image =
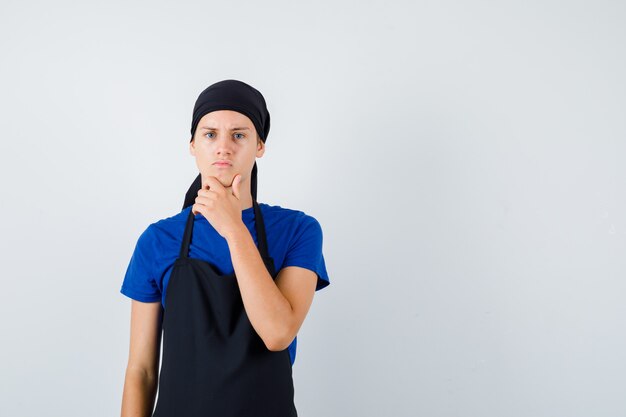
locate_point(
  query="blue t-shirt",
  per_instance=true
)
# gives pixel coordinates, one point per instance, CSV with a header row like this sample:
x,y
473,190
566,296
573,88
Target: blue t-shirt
x,y
293,239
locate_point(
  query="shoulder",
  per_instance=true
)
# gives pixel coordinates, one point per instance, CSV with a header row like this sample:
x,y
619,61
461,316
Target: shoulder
x,y
173,220
155,250
275,214
292,227
298,240
162,230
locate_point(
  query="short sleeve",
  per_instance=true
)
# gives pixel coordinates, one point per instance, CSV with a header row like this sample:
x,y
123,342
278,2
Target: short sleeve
x,y
305,250
139,282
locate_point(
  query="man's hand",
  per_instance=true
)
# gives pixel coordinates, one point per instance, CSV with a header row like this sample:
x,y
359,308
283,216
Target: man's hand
x,y
220,205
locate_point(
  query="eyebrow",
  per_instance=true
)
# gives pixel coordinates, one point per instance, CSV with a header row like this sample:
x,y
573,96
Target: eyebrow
x,y
232,128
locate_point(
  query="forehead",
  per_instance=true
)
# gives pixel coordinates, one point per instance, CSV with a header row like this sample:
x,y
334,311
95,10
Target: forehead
x,y
225,118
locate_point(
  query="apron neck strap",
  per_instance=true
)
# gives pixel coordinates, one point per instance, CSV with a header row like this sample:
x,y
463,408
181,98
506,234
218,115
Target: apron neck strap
x,y
259,223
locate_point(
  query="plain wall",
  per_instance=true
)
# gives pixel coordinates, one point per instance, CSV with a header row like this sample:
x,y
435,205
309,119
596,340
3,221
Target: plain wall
x,y
464,158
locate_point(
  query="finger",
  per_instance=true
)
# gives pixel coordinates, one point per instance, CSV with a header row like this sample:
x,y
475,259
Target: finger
x,y
201,209
208,202
206,194
201,200
215,185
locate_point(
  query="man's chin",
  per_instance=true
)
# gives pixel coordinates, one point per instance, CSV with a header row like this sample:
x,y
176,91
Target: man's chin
x,y
225,179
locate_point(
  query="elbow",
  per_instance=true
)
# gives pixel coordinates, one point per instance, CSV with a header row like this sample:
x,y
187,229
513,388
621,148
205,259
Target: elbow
x,y
279,341
276,346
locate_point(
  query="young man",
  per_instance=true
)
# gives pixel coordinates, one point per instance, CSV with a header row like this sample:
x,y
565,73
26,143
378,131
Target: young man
x,y
227,280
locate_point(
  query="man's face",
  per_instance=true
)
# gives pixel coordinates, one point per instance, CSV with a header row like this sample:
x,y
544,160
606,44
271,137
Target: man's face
x,y
226,135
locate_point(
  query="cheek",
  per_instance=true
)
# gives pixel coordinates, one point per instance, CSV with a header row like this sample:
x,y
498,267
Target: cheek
x,y
202,148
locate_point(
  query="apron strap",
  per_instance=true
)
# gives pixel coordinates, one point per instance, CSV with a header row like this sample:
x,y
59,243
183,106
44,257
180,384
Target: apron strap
x,y
262,239
184,247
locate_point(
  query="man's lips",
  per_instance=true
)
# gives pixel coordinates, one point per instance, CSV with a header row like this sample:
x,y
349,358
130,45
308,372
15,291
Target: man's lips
x,y
222,163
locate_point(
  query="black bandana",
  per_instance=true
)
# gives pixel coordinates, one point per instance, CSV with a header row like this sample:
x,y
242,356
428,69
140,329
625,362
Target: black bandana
x,y
230,95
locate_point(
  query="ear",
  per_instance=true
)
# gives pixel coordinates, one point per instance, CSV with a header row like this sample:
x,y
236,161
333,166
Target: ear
x,y
192,148
260,148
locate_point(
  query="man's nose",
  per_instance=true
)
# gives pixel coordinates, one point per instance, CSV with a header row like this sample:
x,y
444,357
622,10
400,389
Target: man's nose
x,y
224,144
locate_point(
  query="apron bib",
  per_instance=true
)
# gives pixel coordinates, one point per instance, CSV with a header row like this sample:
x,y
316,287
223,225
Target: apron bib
x,y
214,363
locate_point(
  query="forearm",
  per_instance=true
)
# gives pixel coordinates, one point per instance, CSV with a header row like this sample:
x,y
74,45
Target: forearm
x,y
268,310
139,393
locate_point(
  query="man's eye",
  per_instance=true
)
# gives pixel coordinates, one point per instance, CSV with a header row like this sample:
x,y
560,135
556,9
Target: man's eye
x,y
241,134
208,133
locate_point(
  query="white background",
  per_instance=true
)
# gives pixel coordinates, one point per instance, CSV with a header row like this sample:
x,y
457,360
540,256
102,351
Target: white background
x,y
464,158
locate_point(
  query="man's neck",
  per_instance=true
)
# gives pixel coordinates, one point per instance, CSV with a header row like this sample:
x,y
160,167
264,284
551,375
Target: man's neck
x,y
246,201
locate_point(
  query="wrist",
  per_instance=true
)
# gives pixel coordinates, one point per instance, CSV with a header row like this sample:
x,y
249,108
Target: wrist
x,y
237,233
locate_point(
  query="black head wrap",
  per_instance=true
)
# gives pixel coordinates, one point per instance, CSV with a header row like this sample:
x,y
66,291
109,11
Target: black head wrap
x,y
230,95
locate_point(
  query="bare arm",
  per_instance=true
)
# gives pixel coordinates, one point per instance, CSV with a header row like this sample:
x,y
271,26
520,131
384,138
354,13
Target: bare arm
x,y
140,384
276,309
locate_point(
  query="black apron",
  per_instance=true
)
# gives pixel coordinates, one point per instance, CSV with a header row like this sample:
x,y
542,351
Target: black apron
x,y
214,362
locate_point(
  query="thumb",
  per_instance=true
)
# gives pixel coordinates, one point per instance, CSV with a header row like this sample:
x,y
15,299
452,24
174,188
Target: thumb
x,y
236,184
